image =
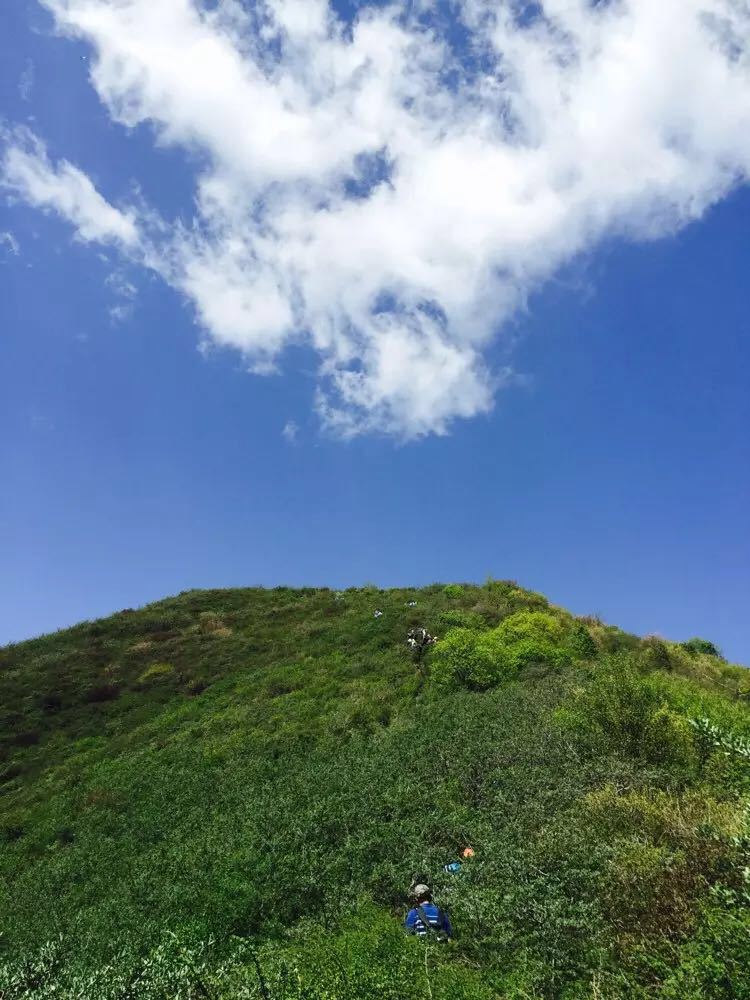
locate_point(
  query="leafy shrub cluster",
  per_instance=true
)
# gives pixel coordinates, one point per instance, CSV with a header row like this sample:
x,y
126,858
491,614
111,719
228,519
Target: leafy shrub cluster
x,y
479,659
154,673
698,647
456,618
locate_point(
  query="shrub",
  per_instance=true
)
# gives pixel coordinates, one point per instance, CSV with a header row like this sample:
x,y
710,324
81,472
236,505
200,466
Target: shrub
x,y
142,646
11,829
614,640
664,849
50,703
531,637
453,590
669,740
29,738
634,882
618,706
10,773
102,692
581,643
713,964
158,624
455,618
209,622
743,687
505,597
529,598
464,659
734,749
638,715
479,660
155,673
655,654
663,817
697,646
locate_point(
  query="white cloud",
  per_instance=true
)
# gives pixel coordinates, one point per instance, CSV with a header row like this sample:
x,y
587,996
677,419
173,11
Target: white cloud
x,y
26,82
391,201
26,171
120,312
121,286
9,241
125,293
290,432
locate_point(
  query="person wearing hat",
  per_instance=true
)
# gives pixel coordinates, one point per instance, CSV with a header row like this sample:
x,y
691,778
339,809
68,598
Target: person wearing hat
x,y
425,918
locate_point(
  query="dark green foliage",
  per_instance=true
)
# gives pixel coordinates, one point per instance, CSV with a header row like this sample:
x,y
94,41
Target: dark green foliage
x,y
655,654
460,619
226,795
581,643
102,692
614,640
51,702
634,714
713,964
701,646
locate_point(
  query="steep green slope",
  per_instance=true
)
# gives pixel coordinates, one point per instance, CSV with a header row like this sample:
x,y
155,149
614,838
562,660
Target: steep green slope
x,y
226,794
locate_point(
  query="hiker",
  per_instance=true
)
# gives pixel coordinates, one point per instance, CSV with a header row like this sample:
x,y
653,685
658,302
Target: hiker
x,y
419,639
425,918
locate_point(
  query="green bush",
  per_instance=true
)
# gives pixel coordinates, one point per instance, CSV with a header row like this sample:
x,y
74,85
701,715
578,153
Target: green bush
x,y
464,658
505,597
713,965
618,706
479,660
531,637
698,647
456,618
51,702
102,692
581,643
638,714
655,654
453,590
669,740
614,640
155,673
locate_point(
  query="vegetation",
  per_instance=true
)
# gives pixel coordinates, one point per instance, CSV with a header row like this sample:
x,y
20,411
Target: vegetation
x,y
227,794
698,646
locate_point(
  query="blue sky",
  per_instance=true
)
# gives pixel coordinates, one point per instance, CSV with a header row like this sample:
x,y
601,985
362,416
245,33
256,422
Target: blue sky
x,y
594,446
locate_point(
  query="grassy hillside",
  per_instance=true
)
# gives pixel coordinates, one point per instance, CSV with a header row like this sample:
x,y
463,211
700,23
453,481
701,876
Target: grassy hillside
x,y
227,794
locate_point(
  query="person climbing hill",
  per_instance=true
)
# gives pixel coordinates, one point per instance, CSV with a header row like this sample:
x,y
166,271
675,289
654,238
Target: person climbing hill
x,y
425,918
419,640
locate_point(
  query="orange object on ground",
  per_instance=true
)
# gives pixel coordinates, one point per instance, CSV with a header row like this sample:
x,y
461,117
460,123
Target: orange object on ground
x,y
468,852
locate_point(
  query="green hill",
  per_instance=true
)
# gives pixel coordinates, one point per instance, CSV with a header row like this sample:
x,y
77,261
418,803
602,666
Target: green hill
x,y
227,794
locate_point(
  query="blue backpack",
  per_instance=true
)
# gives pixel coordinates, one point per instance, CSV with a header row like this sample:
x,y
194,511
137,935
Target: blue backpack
x,y
435,930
